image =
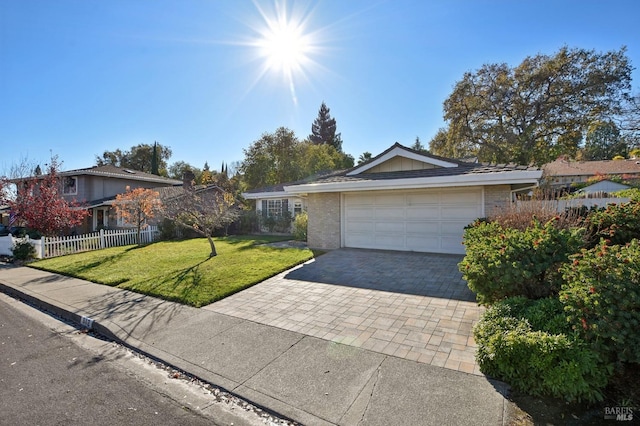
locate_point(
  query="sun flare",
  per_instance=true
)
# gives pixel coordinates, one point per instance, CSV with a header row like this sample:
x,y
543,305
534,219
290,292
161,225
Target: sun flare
x,y
285,47
284,43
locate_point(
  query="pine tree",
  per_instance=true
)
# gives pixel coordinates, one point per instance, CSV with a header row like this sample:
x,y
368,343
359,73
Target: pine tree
x,y
154,159
323,129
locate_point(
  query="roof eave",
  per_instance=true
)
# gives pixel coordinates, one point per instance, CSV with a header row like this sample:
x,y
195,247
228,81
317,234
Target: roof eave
x,y
498,178
261,195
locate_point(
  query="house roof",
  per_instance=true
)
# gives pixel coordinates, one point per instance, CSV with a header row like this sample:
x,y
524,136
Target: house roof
x,y
603,186
278,190
121,173
563,167
442,172
430,171
166,192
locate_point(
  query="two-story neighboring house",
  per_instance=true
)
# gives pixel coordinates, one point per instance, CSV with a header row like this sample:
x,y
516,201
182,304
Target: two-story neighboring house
x,y
96,188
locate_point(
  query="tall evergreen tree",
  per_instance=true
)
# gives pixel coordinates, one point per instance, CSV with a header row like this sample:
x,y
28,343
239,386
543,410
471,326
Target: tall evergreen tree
x,y
323,129
154,159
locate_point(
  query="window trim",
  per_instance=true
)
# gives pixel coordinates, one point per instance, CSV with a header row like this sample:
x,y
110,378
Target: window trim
x,y
65,186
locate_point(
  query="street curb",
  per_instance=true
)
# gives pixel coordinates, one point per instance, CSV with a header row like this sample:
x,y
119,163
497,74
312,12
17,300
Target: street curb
x,y
104,331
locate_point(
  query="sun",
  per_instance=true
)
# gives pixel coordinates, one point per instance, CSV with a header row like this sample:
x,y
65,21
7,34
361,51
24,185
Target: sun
x,y
284,43
285,47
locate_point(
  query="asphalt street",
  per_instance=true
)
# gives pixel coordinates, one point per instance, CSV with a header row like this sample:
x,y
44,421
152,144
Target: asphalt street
x,y
53,374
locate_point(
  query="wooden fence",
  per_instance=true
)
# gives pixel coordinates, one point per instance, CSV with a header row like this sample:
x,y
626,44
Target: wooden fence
x,y
58,246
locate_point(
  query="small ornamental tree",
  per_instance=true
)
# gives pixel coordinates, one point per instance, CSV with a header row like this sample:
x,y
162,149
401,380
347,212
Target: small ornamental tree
x,y
202,210
136,206
39,203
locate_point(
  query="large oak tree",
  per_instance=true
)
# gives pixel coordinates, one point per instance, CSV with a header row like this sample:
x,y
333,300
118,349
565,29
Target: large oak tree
x,y
536,111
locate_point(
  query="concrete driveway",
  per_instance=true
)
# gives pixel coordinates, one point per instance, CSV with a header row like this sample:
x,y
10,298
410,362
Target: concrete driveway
x,y
409,305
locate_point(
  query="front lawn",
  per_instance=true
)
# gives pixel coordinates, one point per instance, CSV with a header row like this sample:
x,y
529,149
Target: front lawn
x,y
181,271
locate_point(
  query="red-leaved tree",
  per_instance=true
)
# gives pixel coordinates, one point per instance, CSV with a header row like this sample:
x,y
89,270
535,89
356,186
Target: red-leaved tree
x,y
39,204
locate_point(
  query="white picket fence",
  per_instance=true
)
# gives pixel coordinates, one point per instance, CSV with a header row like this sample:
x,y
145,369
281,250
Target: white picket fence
x,y
58,246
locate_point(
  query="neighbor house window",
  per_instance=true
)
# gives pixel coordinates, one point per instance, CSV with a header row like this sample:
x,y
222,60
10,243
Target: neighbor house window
x,y
70,185
274,208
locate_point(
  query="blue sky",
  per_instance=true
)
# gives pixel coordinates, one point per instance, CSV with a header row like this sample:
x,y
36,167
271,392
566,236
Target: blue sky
x,y
78,77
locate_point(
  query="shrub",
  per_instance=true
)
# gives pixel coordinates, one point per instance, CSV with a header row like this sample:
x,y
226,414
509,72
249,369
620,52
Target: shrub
x,y
502,262
300,226
23,250
281,223
248,222
601,295
525,214
538,361
618,223
168,230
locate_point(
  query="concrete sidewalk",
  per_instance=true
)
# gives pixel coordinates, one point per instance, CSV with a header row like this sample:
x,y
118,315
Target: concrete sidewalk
x,y
305,378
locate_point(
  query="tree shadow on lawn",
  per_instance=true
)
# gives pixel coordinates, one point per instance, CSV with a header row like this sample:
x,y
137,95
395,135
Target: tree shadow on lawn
x,y
177,287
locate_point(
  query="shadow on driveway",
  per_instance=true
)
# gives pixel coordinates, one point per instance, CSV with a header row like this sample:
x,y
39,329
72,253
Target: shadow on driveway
x,y
422,274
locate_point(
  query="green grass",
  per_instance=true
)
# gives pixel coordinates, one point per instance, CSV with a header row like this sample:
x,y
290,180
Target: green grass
x,y
181,271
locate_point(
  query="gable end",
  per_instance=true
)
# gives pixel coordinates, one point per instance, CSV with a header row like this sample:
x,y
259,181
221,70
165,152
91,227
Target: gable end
x,y
400,158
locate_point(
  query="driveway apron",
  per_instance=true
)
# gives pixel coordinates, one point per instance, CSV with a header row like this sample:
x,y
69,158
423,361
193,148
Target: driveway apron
x,y
414,306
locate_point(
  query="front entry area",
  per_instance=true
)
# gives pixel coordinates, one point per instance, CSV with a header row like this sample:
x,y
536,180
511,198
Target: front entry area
x,y
423,220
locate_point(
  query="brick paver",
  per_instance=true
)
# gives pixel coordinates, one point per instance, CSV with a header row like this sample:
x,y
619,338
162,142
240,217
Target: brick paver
x,y
409,305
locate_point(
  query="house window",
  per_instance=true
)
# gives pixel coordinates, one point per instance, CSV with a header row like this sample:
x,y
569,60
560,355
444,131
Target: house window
x,y
70,185
297,208
274,208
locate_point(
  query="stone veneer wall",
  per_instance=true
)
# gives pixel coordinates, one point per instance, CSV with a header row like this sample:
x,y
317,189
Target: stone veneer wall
x,y
323,229
496,197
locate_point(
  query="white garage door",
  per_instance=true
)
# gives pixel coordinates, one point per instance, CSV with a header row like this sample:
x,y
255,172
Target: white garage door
x,y
426,220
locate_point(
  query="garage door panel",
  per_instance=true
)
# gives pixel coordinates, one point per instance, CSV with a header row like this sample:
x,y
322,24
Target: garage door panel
x,y
362,226
455,228
423,198
458,212
460,197
391,242
416,243
389,227
389,200
389,213
427,227
360,240
416,212
357,199
360,213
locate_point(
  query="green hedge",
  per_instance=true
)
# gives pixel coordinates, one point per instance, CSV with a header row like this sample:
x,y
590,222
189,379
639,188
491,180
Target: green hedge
x,y
503,262
514,346
601,295
617,224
